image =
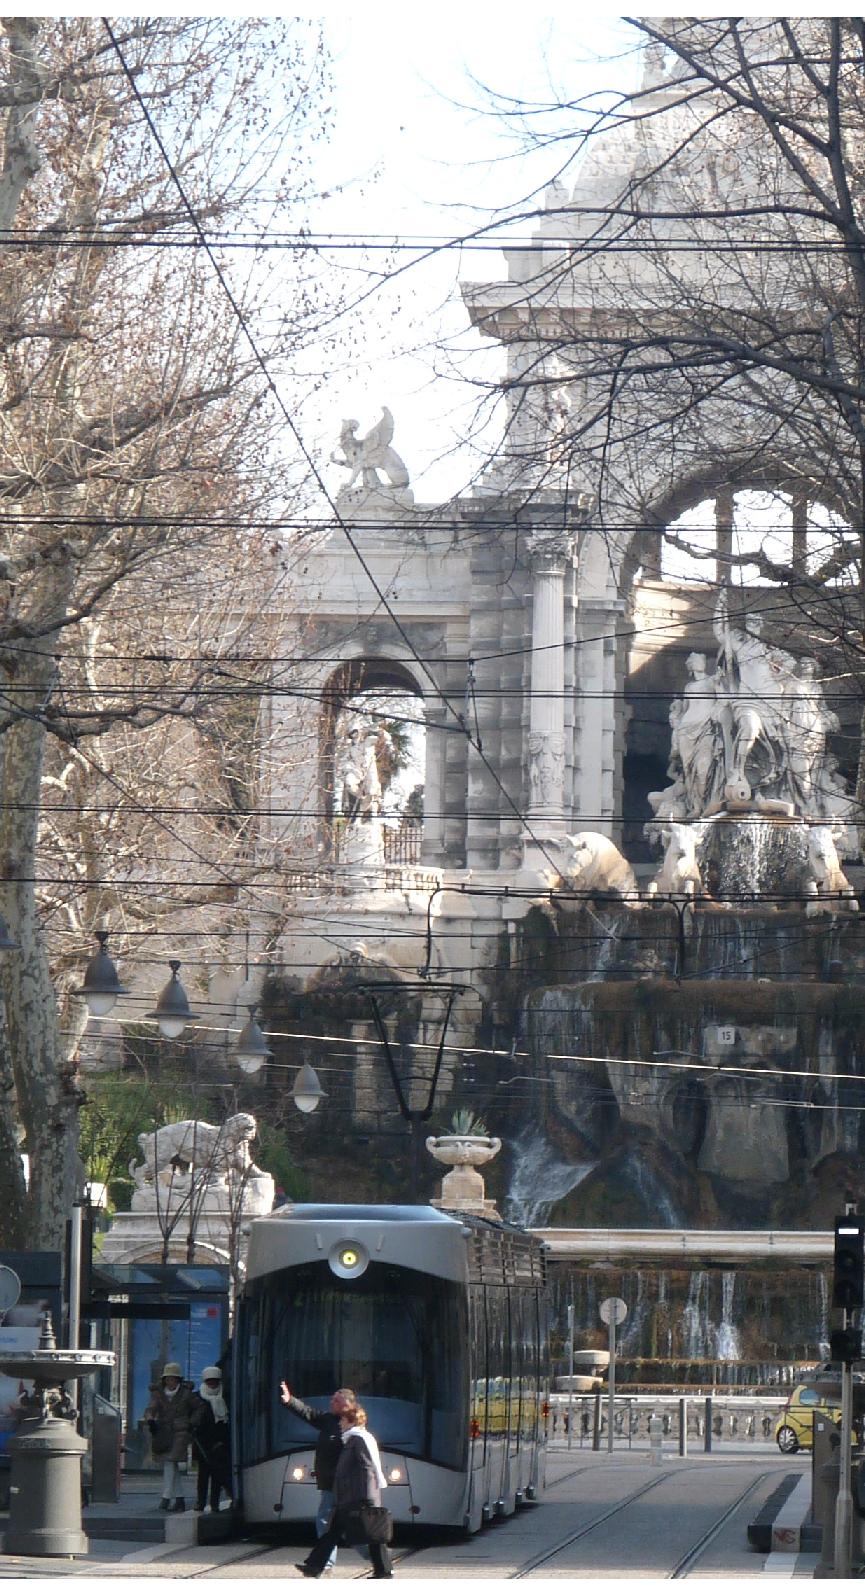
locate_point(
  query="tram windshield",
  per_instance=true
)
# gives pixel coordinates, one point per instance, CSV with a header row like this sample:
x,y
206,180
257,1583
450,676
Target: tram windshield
x,y
398,1337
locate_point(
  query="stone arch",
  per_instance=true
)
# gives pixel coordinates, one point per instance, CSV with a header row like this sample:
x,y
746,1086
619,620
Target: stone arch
x,y
360,673
654,672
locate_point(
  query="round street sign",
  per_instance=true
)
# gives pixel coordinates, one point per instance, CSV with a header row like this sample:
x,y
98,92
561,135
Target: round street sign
x,y
613,1310
10,1289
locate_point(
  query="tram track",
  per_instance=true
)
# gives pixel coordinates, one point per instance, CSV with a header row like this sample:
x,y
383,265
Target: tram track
x,y
583,1530
680,1570
685,1563
693,1553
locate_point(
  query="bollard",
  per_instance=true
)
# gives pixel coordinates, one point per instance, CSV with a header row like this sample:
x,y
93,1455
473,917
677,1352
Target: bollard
x,y
827,1478
656,1439
683,1428
596,1428
707,1427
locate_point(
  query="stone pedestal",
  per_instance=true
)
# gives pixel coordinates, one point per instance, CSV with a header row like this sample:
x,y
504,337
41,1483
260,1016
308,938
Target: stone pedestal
x,y
463,1186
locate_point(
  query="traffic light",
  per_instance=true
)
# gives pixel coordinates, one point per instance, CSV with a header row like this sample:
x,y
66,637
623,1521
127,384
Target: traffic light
x,y
848,1277
845,1344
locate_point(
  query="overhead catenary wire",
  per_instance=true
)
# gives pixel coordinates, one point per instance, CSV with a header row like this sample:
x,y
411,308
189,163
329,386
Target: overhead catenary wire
x,y
314,470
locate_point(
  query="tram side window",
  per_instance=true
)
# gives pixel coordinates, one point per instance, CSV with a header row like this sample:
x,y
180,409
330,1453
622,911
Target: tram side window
x,y
479,1383
516,1304
499,1385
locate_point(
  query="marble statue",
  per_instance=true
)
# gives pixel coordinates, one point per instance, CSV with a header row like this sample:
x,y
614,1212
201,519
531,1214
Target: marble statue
x,y
696,737
592,863
749,735
357,766
809,721
217,1152
679,875
364,455
670,804
823,862
746,681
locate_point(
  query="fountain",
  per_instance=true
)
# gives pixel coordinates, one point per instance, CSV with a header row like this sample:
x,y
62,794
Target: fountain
x,y
755,808
46,1451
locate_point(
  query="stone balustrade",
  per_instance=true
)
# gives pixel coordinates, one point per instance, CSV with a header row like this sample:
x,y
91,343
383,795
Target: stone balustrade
x,y
743,1418
331,879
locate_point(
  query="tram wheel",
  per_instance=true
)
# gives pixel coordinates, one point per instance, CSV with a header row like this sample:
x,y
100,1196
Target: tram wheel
x,y
787,1440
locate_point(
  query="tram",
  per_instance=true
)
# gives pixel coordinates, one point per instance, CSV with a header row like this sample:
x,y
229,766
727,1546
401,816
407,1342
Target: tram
x,y
437,1322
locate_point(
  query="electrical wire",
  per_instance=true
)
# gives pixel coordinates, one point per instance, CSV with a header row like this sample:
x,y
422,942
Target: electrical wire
x,y
316,475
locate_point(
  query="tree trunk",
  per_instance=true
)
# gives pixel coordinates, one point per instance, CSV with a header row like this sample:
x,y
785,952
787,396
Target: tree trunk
x,y
48,1094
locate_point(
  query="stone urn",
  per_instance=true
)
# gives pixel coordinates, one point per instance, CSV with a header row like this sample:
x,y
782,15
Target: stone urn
x,y
462,1188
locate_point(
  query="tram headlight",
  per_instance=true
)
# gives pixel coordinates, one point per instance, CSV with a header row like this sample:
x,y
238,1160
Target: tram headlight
x,y
395,1475
348,1259
298,1473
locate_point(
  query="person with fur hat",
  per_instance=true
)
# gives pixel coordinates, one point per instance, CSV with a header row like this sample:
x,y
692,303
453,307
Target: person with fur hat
x,y
211,1434
168,1420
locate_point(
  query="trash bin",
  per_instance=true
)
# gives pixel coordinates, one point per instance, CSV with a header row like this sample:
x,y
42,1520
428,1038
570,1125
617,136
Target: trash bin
x,y
106,1439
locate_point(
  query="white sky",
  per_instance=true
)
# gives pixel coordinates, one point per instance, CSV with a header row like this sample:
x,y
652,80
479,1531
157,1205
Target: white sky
x,y
413,159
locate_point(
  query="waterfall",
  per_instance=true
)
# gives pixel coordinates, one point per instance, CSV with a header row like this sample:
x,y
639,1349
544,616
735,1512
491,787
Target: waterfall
x,y
539,1179
695,1319
651,1190
727,1338
609,942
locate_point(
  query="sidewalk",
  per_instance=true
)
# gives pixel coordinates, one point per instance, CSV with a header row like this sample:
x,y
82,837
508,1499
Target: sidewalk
x,y
132,1528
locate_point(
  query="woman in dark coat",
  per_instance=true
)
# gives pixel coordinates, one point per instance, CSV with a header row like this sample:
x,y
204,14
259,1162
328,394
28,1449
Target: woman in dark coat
x,y
358,1482
211,1435
168,1421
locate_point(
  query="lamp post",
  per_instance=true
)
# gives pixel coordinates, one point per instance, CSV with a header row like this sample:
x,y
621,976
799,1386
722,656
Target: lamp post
x,y
414,1116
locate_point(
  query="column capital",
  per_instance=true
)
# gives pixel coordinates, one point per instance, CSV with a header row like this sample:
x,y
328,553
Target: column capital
x,y
551,550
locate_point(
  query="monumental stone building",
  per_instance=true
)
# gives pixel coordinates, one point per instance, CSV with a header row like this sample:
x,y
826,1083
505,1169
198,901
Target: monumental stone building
x,y
559,898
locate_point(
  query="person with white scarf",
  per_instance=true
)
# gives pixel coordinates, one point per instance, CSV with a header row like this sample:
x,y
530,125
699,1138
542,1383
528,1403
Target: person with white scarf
x,y
358,1483
211,1434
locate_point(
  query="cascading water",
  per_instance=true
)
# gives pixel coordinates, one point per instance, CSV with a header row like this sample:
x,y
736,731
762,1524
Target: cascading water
x,y
700,1326
696,1325
727,1346
539,1179
651,1190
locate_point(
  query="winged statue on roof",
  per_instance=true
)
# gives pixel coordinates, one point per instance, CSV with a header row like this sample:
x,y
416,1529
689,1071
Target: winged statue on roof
x,y
365,455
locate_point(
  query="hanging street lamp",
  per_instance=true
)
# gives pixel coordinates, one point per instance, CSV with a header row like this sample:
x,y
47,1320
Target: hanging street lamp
x,y
101,987
172,1012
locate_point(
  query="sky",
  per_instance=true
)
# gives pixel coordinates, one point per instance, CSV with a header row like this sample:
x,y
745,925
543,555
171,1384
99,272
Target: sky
x,y
415,154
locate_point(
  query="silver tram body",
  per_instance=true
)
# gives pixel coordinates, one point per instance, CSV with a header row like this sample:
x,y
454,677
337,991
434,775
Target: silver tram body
x,y
439,1325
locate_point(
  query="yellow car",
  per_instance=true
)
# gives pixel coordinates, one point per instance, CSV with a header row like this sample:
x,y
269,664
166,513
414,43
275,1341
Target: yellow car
x,y
794,1428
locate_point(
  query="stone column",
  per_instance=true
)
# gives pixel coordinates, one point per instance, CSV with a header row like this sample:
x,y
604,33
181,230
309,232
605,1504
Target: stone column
x,y
549,552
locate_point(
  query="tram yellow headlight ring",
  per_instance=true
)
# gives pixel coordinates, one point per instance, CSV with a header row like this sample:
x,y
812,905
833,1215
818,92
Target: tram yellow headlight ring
x,y
348,1259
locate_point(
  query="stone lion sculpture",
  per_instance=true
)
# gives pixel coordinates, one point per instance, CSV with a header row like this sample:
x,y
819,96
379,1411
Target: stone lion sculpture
x,y
679,875
592,863
206,1147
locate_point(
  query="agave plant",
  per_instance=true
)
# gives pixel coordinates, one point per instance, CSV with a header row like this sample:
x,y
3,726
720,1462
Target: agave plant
x,y
463,1121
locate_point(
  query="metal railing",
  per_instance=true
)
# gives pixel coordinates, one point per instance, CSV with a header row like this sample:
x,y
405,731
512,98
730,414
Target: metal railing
x,y
402,844
704,1422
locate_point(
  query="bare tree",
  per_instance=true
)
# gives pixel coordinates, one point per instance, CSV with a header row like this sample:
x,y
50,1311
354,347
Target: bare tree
x,y
689,322
138,442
